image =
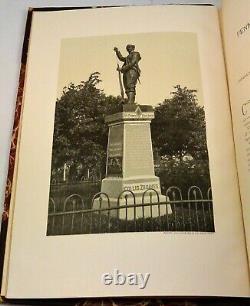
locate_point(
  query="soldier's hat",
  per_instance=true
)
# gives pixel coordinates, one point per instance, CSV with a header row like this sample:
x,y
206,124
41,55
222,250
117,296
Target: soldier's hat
x,y
130,45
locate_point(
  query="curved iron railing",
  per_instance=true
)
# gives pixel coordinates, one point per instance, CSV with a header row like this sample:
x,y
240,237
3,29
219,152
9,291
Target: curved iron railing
x,y
172,213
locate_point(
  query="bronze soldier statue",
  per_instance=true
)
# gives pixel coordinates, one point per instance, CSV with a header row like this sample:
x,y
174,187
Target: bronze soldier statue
x,y
131,71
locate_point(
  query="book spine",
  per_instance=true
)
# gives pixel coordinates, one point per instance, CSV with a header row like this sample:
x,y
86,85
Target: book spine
x,y
13,145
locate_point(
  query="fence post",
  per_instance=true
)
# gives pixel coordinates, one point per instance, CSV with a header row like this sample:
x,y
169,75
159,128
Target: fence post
x,y
73,216
53,205
100,217
71,198
99,194
126,203
193,190
143,215
209,197
151,203
109,216
171,194
134,218
81,225
126,200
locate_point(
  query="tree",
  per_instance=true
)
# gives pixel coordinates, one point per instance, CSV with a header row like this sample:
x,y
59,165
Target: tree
x,y
179,141
178,129
80,133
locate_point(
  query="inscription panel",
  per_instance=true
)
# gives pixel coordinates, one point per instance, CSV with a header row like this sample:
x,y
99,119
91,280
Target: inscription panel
x,y
115,151
141,187
138,150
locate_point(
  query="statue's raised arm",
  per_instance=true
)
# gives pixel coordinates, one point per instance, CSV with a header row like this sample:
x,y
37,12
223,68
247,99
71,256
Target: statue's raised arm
x,y
119,55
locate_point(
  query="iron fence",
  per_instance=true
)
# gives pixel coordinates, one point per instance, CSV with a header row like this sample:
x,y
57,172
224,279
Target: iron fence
x,y
132,214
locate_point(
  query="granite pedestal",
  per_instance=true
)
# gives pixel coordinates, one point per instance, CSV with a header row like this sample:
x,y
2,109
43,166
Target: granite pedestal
x,y
130,164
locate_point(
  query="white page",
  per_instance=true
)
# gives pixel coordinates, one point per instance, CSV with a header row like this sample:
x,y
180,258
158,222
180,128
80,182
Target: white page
x,y
179,263
235,18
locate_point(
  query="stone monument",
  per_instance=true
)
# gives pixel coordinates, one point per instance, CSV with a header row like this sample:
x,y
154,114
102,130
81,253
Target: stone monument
x,y
130,163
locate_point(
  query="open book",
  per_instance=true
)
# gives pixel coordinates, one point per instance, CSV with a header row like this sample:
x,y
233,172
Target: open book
x,y
130,163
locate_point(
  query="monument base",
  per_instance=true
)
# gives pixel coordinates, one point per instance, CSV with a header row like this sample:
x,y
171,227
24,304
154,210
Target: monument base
x,y
130,176
140,191
135,212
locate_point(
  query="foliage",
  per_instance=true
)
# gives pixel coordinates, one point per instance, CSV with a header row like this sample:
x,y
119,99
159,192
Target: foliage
x,y
80,142
179,141
184,175
80,134
178,129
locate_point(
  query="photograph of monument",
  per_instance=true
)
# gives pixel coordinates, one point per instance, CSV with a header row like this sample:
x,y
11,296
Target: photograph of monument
x,y
129,148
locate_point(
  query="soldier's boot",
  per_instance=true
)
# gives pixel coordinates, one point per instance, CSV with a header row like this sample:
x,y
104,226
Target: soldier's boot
x,y
131,97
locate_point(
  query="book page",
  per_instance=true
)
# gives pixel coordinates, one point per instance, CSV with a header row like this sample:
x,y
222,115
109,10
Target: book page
x,y
127,102
235,20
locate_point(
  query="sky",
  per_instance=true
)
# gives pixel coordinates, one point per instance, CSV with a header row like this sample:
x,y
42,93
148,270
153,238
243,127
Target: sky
x,y
167,59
